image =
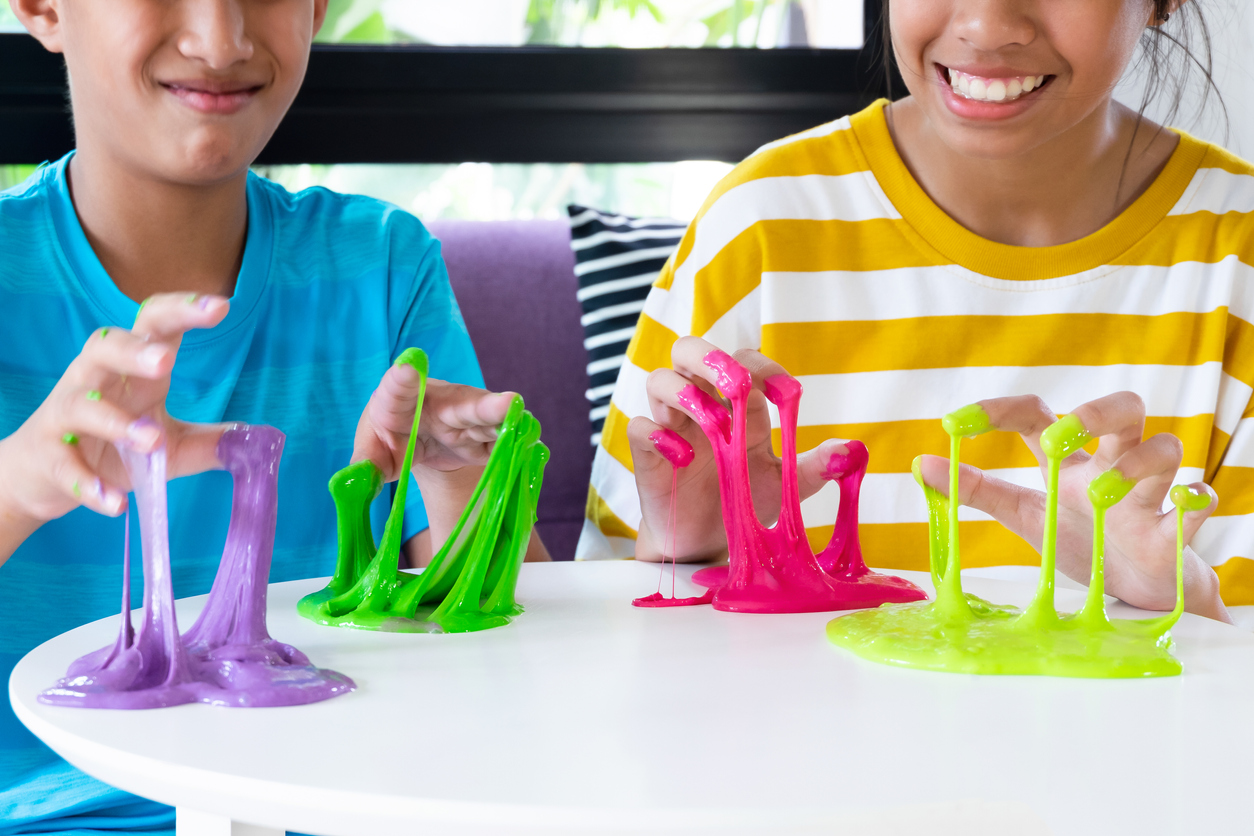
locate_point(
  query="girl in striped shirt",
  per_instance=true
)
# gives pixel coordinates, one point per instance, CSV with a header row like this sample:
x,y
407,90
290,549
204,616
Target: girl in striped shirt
x,y
1008,231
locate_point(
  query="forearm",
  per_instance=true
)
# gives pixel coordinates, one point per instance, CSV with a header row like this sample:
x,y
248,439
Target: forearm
x,y
15,526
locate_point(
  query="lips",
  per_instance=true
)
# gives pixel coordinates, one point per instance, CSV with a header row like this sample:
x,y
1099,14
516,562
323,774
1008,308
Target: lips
x,y
213,97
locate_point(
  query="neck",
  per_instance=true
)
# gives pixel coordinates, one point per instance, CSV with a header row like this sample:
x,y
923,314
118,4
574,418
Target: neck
x,y
1060,191
154,236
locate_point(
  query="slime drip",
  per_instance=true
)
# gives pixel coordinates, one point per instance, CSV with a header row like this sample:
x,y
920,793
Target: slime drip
x,y
672,446
227,657
469,584
773,570
965,634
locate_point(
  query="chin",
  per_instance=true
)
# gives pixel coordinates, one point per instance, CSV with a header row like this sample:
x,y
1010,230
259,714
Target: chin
x,y
990,142
211,157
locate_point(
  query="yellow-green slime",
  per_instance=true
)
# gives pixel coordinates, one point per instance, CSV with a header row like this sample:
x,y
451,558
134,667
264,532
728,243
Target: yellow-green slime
x,y
962,633
469,584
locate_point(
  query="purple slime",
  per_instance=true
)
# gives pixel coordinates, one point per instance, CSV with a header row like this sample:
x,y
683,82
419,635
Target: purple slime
x,y
773,570
227,657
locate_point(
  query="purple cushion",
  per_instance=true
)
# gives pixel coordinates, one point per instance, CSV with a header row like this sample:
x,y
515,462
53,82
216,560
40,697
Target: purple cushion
x,y
515,282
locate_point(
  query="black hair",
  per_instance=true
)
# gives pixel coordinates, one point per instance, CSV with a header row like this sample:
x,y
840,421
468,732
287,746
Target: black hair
x,y
1170,54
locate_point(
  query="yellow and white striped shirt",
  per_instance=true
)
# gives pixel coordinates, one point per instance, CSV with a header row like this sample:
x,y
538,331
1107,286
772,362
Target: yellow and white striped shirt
x,y
822,251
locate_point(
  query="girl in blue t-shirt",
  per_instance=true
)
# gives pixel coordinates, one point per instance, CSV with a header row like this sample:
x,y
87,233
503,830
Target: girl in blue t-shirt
x,y
261,306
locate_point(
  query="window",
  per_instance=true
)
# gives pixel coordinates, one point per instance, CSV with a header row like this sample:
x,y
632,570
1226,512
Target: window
x,y
599,23
501,109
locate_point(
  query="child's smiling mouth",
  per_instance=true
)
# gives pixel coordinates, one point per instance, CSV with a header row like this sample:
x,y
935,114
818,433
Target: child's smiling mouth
x,y
209,96
990,93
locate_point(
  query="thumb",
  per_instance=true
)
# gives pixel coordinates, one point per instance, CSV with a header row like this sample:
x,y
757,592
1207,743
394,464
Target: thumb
x,y
1019,509
193,448
819,466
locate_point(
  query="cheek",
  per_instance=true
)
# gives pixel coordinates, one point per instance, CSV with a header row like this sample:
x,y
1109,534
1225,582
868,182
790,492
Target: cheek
x,y
1098,51
915,24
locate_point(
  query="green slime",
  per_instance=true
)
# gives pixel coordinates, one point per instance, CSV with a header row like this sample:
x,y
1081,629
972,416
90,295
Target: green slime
x,y
469,584
962,633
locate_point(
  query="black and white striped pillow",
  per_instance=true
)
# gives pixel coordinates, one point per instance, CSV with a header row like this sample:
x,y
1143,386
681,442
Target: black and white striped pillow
x,y
617,259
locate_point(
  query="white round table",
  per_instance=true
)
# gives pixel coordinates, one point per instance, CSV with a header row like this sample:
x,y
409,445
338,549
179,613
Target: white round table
x,y
589,716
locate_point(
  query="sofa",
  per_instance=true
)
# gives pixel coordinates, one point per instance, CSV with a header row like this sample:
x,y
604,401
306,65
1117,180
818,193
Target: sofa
x,y
516,284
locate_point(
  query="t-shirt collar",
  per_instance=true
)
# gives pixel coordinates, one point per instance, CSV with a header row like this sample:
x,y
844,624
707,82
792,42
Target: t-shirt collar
x,y
956,244
120,310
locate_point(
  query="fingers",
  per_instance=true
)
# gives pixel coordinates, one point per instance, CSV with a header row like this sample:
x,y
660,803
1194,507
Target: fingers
x,y
81,483
824,463
1152,464
1026,415
1018,508
645,456
85,412
115,351
476,412
165,317
193,448
1193,519
1119,421
688,357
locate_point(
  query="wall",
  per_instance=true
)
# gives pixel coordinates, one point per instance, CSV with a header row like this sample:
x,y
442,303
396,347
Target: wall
x,y
1231,25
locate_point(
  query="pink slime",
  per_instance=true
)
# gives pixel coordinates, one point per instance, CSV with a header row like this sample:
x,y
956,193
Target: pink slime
x,y
773,570
672,447
227,657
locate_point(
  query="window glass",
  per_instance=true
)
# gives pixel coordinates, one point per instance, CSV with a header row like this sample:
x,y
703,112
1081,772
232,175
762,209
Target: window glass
x,y
623,23
496,191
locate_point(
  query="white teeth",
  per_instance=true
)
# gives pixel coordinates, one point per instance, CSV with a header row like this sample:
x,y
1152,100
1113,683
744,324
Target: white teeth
x,y
993,89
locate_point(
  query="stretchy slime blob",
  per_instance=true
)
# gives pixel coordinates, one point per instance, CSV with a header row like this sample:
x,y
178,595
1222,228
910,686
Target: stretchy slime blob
x,y
672,446
962,633
469,584
227,657
773,570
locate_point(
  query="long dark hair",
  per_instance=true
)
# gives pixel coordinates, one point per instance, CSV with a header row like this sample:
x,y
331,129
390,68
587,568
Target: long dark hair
x,y
1169,56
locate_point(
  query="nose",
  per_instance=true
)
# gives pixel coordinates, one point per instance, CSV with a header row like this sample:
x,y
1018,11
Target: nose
x,y
213,32
989,25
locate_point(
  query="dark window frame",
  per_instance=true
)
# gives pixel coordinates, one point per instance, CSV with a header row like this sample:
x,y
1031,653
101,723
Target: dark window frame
x,y
400,104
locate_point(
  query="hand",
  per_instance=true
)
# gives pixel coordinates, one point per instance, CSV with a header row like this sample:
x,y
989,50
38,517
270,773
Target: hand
x,y
114,391
457,428
699,531
1140,558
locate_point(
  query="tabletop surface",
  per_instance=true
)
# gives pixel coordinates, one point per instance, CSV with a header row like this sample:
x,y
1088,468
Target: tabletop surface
x,y
588,715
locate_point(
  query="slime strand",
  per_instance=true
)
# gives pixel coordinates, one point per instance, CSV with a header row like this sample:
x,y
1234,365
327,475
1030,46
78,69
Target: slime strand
x,y
679,453
962,633
773,569
470,582
228,657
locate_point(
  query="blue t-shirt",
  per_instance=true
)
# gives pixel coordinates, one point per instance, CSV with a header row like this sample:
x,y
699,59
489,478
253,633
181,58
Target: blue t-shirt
x,y
331,289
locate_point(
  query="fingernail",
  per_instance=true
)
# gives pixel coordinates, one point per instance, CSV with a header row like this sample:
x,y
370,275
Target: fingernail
x,y
191,299
152,356
104,332
70,439
112,501
141,309
205,302
93,395
144,433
